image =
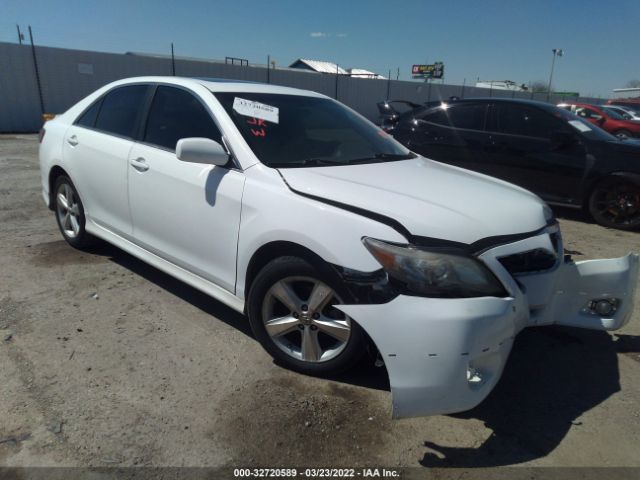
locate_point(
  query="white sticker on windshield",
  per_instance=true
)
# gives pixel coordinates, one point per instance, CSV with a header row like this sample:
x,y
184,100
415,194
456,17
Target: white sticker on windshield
x,y
578,125
257,110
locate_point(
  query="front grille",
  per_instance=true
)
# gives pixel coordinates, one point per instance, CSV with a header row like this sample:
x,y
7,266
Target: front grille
x,y
537,260
532,261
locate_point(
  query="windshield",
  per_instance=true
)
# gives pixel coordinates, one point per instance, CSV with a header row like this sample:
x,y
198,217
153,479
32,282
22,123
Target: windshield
x,y
286,131
589,130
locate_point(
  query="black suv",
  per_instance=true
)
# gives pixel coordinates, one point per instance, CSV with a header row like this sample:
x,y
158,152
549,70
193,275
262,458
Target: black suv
x,y
543,148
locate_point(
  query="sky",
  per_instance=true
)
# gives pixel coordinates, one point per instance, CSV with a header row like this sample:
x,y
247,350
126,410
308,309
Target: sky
x,y
492,40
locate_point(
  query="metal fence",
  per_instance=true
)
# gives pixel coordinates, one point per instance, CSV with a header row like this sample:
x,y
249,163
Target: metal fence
x,y
65,76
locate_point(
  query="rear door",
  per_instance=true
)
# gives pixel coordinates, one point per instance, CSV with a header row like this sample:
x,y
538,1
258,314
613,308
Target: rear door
x,y
97,148
453,134
521,149
186,213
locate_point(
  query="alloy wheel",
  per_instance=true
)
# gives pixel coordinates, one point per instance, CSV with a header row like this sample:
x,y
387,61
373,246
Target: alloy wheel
x,y
619,203
300,318
68,210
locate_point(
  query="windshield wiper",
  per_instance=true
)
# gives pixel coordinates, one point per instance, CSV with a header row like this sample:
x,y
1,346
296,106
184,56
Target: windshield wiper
x,y
383,157
324,162
309,162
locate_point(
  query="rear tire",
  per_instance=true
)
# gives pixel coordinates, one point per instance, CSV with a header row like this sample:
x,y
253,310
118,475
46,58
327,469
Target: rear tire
x,y
70,213
290,308
615,203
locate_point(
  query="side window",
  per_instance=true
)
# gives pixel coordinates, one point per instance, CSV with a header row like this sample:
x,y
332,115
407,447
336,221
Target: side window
x,y
588,113
526,121
176,114
469,116
120,110
88,118
437,115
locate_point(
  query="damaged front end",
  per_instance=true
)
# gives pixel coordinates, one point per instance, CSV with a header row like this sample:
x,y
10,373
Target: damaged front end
x,y
445,355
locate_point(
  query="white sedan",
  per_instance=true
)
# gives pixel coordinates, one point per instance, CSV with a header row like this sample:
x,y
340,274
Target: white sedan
x,y
290,207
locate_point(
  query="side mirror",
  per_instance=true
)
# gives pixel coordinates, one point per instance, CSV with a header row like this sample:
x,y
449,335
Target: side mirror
x,y
201,150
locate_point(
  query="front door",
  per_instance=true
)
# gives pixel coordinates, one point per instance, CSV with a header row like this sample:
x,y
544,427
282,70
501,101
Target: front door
x,y
521,149
186,213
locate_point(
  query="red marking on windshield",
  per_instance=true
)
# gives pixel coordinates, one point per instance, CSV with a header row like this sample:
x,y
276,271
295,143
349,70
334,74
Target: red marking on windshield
x,y
256,121
259,133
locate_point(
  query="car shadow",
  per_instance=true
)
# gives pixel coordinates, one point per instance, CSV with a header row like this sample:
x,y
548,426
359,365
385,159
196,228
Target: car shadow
x,y
174,286
554,376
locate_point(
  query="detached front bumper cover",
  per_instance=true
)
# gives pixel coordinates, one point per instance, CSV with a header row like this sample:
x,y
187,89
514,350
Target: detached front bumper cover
x,y
446,355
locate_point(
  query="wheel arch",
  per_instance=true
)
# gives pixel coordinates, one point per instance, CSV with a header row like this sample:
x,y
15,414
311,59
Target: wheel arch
x,y
635,177
281,248
54,173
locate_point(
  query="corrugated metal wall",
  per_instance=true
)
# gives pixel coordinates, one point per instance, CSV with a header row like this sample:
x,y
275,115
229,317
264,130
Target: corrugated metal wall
x,y
67,76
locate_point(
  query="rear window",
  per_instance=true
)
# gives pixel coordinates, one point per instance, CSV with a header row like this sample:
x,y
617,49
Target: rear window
x,y
120,110
88,118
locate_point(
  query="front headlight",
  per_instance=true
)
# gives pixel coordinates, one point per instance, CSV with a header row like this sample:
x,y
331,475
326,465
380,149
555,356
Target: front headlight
x,y
435,274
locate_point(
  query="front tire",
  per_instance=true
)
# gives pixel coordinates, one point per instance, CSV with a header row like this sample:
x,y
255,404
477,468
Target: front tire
x,y
615,203
70,213
292,314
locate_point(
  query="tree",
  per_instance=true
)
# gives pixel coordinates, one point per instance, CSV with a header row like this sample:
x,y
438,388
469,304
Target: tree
x,y
538,86
635,83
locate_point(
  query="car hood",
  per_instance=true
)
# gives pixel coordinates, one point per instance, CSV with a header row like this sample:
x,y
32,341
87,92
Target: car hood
x,y
428,198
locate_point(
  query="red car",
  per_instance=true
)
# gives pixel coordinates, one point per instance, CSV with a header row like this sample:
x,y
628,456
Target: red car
x,y
609,121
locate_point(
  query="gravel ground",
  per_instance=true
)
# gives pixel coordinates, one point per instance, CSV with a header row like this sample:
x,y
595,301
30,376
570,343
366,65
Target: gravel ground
x,y
109,362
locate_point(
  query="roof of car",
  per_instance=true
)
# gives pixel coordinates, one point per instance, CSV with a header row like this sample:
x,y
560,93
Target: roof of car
x,y
521,101
223,85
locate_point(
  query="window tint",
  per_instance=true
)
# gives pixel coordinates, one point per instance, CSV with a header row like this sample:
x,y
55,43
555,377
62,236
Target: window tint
x,y
120,109
301,131
470,116
436,116
88,118
521,120
176,114
467,116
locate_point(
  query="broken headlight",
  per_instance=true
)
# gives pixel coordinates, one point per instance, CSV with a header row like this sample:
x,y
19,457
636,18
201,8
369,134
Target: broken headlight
x,y
435,274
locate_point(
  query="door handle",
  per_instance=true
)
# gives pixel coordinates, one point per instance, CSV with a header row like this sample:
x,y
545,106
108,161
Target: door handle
x,y
72,140
139,164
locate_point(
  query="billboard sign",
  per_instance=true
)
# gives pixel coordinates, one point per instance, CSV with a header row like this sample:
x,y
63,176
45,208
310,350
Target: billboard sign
x,y
434,70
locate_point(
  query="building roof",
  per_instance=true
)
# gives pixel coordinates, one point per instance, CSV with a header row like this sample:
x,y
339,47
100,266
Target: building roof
x,y
362,73
320,66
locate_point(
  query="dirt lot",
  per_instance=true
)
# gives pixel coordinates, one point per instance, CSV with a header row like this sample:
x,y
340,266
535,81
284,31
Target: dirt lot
x,y
106,361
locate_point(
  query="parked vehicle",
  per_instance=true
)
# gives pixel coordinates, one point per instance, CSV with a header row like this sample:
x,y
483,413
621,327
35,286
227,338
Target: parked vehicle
x,y
632,103
555,154
288,206
611,122
626,112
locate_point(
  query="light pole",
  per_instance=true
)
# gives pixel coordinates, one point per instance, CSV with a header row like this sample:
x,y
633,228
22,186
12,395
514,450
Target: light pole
x,y
557,52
